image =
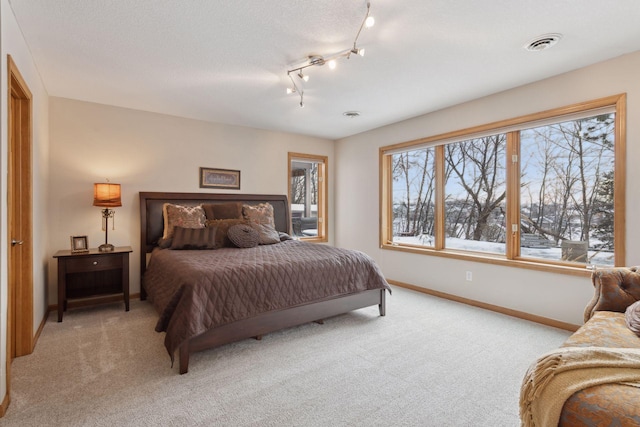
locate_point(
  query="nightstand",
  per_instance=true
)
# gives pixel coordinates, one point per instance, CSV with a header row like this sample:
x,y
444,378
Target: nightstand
x,y
92,277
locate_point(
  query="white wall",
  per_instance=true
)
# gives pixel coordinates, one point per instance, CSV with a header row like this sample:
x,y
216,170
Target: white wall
x,y
555,296
152,152
13,44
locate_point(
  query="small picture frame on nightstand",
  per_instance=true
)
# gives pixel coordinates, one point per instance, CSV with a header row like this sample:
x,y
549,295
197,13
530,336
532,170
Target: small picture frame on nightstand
x,y
79,244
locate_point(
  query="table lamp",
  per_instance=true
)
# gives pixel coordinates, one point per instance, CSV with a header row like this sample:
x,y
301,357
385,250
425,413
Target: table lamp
x,y
106,195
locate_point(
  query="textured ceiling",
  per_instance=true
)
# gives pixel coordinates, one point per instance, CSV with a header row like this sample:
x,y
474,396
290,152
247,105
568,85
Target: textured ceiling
x,y
225,61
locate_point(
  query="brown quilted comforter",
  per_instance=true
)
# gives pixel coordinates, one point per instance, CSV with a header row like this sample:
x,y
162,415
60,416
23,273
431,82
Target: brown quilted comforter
x,y
195,291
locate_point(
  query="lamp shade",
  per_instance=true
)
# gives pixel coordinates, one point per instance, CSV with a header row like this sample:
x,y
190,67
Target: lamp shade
x,y
107,195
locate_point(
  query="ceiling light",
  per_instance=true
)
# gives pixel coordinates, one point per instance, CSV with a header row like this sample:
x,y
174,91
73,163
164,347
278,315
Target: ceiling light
x,y
294,89
369,22
318,60
543,42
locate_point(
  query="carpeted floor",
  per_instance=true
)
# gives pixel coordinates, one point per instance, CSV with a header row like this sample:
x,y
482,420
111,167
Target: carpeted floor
x,y
429,362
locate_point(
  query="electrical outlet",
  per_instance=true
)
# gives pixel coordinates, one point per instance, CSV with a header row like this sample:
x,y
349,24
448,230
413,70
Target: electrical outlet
x,y
469,276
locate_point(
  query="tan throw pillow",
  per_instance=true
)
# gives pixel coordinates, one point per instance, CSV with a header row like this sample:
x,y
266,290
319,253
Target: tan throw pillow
x,y
229,210
223,225
260,217
181,216
194,238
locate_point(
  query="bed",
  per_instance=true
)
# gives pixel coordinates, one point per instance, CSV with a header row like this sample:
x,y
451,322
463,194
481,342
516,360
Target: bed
x,y
208,298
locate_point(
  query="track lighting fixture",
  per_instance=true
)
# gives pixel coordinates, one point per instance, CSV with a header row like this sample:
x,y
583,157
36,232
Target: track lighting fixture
x,y
330,60
294,88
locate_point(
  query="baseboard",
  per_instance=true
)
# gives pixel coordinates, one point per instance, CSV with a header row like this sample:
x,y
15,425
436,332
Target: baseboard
x,y
39,331
509,312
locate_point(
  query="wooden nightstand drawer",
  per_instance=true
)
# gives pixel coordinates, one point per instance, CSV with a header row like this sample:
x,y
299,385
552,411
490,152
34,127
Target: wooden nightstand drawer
x,y
93,263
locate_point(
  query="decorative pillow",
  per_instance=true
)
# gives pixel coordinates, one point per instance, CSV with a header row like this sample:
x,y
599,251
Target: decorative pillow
x,y
284,236
165,243
632,316
259,214
230,210
194,238
181,216
261,219
268,234
243,236
223,225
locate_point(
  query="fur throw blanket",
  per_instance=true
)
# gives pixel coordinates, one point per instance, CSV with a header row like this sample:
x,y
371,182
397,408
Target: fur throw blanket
x,y
555,376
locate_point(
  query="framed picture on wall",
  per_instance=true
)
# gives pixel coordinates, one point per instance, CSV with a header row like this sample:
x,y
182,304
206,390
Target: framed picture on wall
x,y
220,178
79,244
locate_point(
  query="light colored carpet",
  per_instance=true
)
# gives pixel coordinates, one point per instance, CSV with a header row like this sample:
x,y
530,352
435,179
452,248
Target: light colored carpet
x,y
429,362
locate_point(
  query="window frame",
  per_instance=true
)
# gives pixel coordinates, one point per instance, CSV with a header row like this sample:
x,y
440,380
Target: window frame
x,y
512,128
323,165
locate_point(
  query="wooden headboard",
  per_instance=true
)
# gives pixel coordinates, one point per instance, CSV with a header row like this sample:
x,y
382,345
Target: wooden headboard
x,y
152,222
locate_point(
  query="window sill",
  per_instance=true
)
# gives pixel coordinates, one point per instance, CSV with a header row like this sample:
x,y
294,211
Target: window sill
x,y
493,259
314,239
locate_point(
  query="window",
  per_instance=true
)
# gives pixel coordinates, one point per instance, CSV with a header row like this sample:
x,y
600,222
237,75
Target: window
x,y
566,191
475,190
413,196
532,190
308,196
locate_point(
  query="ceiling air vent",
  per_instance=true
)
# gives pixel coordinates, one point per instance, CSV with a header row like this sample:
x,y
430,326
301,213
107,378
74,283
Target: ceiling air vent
x,y
351,114
543,42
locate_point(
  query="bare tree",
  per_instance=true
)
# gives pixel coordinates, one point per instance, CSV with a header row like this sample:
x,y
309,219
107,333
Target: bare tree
x,y
570,159
413,171
297,189
401,172
478,166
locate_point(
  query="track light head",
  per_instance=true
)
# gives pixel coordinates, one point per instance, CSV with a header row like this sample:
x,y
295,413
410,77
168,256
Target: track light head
x,y
332,64
369,22
304,77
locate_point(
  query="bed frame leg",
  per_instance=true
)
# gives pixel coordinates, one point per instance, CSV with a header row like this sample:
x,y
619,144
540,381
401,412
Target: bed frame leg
x,y
319,322
258,337
183,354
382,305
